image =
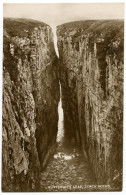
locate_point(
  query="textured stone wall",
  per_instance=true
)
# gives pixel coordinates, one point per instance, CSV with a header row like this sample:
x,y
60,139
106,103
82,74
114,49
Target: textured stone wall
x,y
30,101
91,74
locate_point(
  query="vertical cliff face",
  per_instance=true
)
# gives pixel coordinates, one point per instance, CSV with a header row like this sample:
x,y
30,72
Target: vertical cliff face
x,y
30,101
91,75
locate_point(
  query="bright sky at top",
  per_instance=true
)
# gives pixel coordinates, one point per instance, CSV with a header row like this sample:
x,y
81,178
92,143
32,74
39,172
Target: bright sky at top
x,y
58,13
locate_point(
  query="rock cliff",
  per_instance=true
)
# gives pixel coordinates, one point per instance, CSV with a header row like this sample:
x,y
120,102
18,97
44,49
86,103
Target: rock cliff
x,y
91,76
90,70
30,101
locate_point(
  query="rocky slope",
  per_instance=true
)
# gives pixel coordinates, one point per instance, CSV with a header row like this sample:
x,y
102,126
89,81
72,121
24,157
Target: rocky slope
x,y
30,101
91,76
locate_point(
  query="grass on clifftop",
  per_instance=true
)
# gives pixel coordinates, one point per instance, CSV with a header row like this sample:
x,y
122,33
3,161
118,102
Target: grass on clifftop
x,y
88,25
96,27
18,27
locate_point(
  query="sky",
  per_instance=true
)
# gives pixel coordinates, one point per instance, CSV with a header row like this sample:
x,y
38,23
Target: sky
x,y
57,13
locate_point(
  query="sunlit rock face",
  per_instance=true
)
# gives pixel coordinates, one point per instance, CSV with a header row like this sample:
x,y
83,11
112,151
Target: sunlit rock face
x,y
30,103
91,75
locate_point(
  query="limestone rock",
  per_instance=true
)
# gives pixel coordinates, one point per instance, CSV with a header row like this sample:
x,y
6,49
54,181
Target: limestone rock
x,y
30,78
91,69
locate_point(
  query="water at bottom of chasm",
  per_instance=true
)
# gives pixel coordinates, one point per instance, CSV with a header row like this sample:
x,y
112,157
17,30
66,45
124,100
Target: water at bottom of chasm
x,y
67,170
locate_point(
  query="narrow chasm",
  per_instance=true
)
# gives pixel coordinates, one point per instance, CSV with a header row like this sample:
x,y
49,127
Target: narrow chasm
x,y
62,106
68,169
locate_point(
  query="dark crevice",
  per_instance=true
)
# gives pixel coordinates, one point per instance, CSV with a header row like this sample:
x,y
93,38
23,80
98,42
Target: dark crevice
x,y
38,80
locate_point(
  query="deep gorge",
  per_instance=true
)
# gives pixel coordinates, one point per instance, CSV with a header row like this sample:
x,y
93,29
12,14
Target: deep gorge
x,y
90,70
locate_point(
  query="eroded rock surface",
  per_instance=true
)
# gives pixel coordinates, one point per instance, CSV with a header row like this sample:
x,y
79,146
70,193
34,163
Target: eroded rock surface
x,y
91,75
30,102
